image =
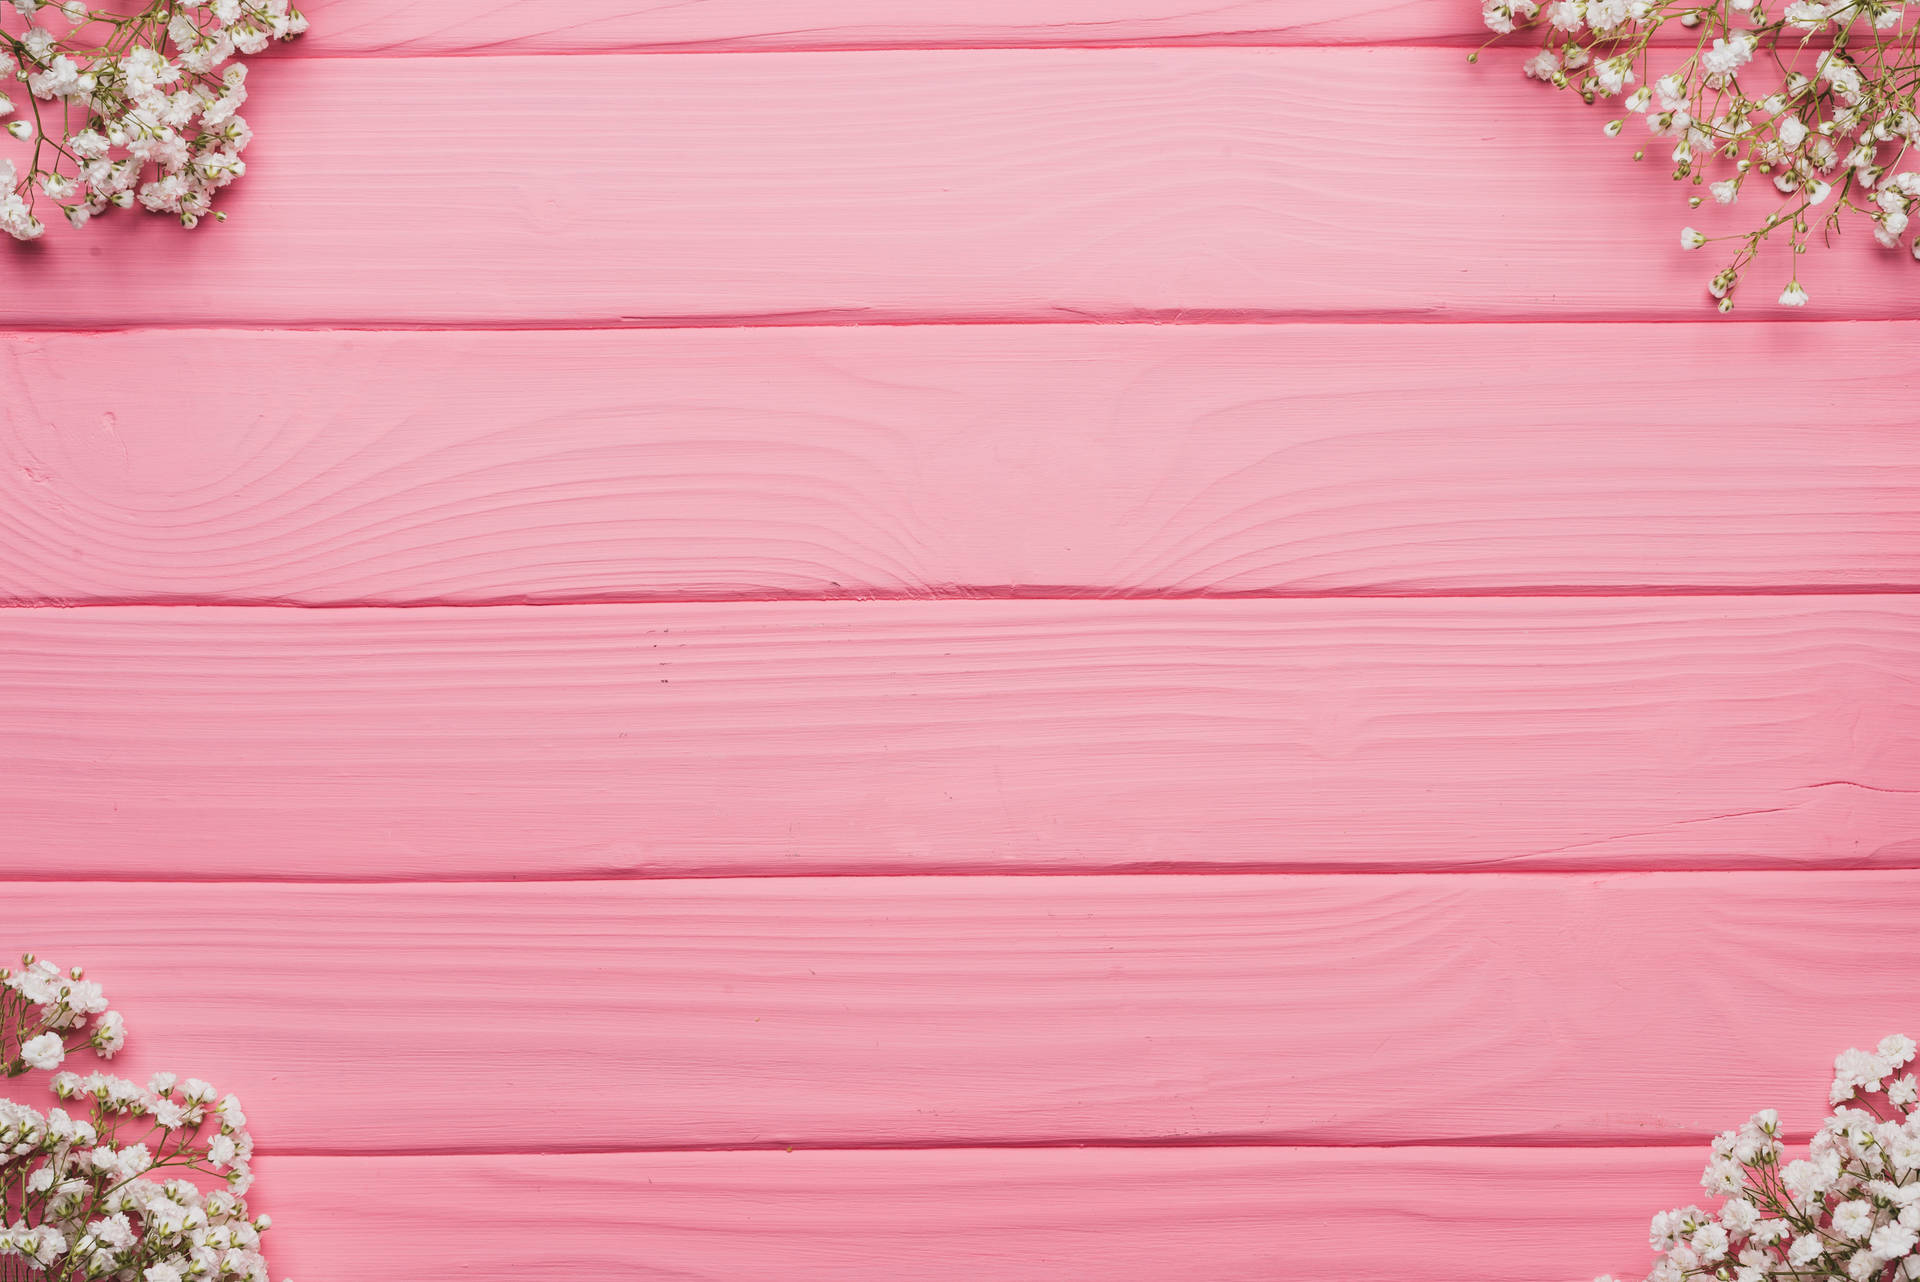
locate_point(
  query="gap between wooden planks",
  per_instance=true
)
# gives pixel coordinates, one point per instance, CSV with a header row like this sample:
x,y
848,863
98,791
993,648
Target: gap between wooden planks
x,y
873,1011
425,27
1076,1216
823,188
942,736
1023,461
538,26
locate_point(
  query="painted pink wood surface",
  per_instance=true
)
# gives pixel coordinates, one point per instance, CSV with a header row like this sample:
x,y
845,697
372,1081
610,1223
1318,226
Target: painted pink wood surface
x,y
950,461
836,205
1055,185
1097,1215
863,1011
535,26
817,737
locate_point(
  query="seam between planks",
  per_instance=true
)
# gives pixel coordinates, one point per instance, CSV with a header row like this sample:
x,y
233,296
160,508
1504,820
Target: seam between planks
x,y
961,594
1194,317
1464,42
1498,867
1498,1144
1197,319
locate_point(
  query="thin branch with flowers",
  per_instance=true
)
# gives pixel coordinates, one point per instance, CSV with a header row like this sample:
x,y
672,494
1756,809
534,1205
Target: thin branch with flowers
x,y
125,108
1848,1210
1815,104
118,1180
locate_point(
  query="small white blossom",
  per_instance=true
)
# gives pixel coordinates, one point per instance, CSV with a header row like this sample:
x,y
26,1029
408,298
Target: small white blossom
x,y
1805,1250
1891,1241
43,1052
1857,1070
1565,14
110,1034
1853,1219
1727,55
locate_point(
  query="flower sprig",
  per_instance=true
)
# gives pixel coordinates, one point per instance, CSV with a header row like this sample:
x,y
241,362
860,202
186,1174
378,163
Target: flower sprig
x,y
125,108
1848,1210
122,1181
47,1014
1811,104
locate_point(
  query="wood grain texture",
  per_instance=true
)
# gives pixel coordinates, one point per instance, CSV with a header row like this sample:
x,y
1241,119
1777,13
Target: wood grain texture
x,y
1063,185
862,1011
531,26
1227,1215
921,736
473,468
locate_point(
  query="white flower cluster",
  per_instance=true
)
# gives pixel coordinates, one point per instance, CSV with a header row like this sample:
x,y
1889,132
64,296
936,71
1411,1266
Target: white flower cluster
x,y
1849,1209
1815,105
140,107
47,1014
88,1184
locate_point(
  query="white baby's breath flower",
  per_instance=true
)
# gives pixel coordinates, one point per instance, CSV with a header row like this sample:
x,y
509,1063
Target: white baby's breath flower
x,y
43,1052
1857,1070
1738,1216
1891,1241
1853,1219
1709,1243
1727,55
109,1035
1611,75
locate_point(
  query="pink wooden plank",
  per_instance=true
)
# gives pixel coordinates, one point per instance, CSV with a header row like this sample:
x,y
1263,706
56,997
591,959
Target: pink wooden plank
x,y
907,461
530,26
858,1011
921,736
1107,1215
1067,185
